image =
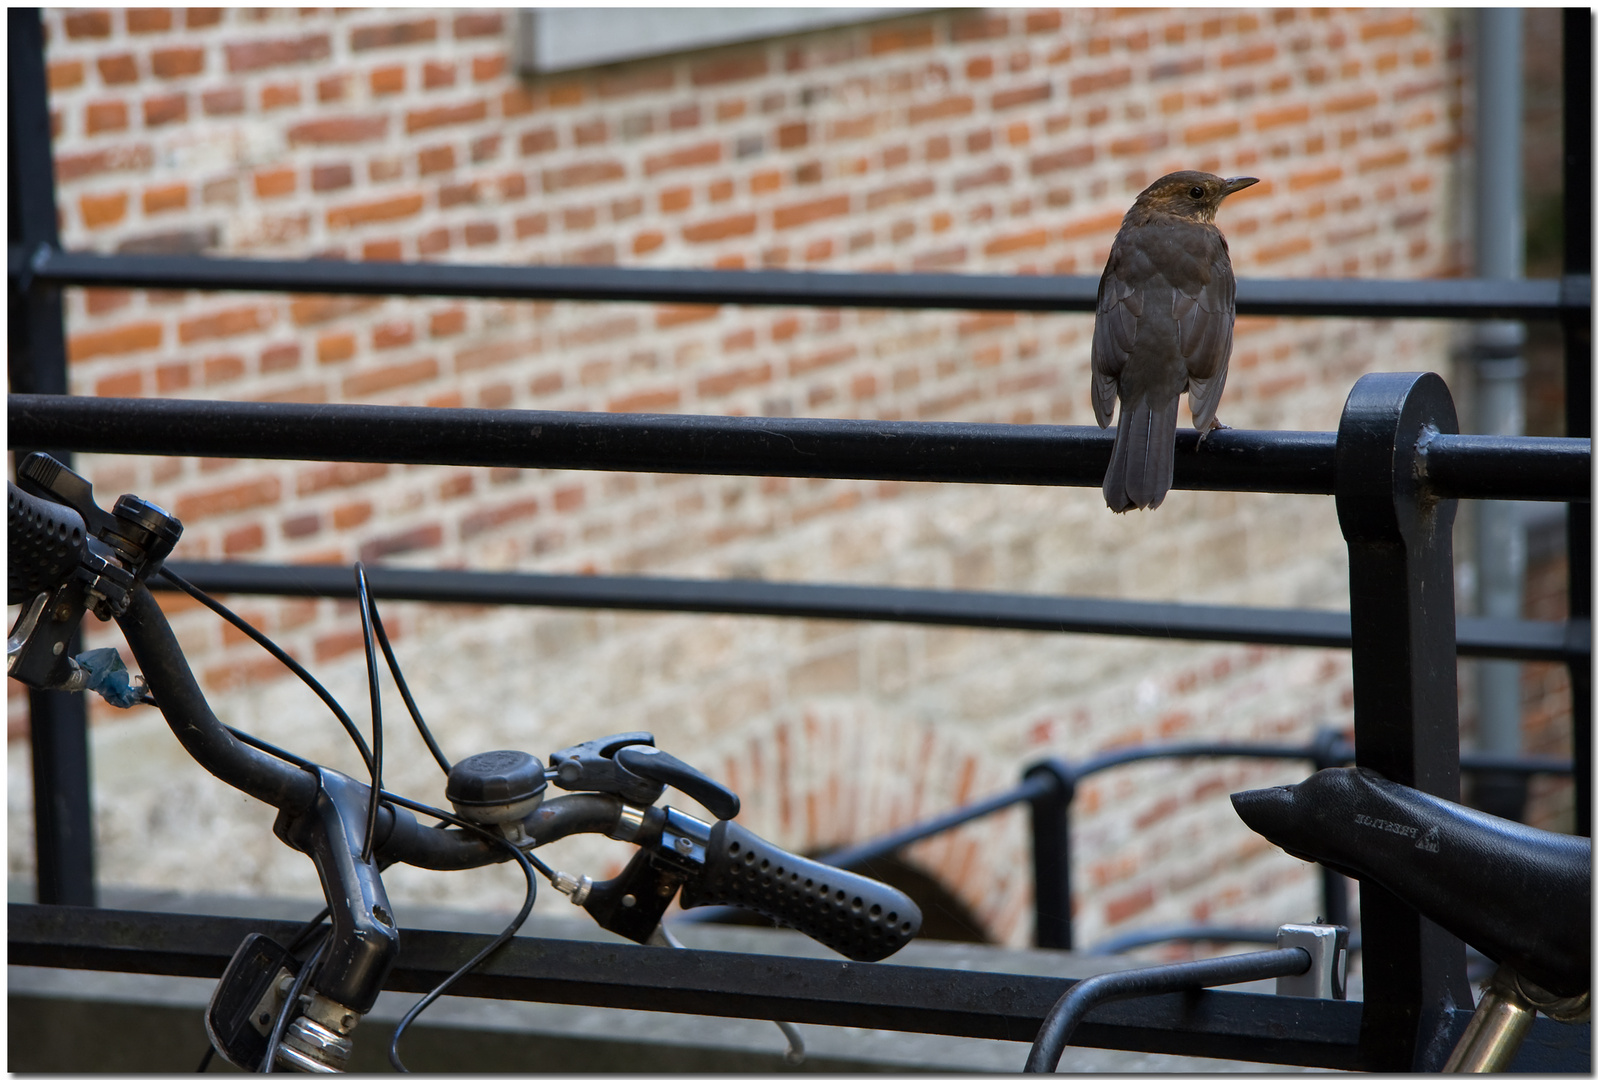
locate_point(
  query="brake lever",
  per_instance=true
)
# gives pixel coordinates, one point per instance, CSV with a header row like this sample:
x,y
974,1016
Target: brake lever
x,y
75,557
112,552
653,763
591,766
629,765
42,475
138,533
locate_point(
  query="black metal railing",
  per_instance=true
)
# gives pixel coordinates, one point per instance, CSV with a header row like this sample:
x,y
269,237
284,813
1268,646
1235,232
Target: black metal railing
x,y
42,263
1049,790
1296,462
1394,467
1475,636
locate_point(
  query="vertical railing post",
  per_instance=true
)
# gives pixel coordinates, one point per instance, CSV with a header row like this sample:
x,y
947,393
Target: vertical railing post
x,y
1051,856
1406,708
1329,752
58,722
37,331
1577,326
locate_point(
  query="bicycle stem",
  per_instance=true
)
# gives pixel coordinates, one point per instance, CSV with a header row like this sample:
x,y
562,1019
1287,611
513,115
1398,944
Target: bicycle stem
x,y
364,942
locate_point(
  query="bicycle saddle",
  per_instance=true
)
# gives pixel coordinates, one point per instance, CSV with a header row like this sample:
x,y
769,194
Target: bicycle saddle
x,y
1520,895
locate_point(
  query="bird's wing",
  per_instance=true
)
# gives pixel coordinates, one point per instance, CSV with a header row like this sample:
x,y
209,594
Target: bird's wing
x,y
1114,330
1205,307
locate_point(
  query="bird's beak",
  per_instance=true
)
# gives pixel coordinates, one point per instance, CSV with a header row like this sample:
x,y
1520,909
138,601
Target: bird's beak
x,y
1238,183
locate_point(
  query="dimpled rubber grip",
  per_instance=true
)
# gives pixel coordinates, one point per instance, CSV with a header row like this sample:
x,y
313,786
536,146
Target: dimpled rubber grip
x,y
850,914
45,540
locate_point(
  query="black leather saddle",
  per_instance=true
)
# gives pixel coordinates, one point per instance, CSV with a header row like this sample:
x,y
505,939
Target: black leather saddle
x,y
1521,896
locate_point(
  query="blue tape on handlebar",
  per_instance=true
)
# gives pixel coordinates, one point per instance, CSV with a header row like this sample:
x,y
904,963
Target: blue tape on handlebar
x,y
109,677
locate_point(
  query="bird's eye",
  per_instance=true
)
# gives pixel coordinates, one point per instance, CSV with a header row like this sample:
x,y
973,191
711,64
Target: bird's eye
x,y
1196,192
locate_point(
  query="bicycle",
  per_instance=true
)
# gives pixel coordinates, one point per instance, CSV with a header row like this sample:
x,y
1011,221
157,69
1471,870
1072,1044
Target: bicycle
x,y
1521,896
297,1005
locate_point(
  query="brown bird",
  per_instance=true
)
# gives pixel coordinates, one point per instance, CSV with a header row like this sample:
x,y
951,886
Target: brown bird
x,y
1167,301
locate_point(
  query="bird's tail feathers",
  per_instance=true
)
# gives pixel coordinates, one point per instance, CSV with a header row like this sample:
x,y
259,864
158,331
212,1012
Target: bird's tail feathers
x,y
1143,462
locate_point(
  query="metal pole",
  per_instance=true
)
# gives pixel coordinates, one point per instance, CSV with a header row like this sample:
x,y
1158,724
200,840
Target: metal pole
x,y
38,361
1406,708
1051,856
1519,638
1443,298
1578,375
620,975
1054,1034
1327,751
58,723
1500,393
1301,462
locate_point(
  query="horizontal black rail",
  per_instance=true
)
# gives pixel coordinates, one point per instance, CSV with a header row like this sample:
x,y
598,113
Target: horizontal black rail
x,y
1323,752
975,1004
1195,934
1040,454
1507,467
898,997
859,855
1510,639
1093,993
1444,298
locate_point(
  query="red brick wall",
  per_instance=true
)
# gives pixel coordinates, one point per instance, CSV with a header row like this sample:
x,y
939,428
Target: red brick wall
x,y
1002,141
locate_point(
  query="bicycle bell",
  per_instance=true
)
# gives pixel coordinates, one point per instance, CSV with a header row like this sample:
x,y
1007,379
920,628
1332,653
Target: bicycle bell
x,y
496,787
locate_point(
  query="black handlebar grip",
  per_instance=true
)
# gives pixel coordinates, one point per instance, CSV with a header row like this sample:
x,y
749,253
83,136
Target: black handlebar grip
x,y
850,914
46,542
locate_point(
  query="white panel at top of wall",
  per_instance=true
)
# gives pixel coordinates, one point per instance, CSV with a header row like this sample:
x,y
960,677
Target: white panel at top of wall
x,y
562,39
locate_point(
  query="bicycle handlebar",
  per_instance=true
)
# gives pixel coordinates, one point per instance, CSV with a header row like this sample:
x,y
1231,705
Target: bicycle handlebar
x,y
861,918
400,837
69,556
167,673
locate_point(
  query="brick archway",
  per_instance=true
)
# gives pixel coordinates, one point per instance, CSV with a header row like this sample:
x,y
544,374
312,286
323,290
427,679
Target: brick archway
x,y
836,775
